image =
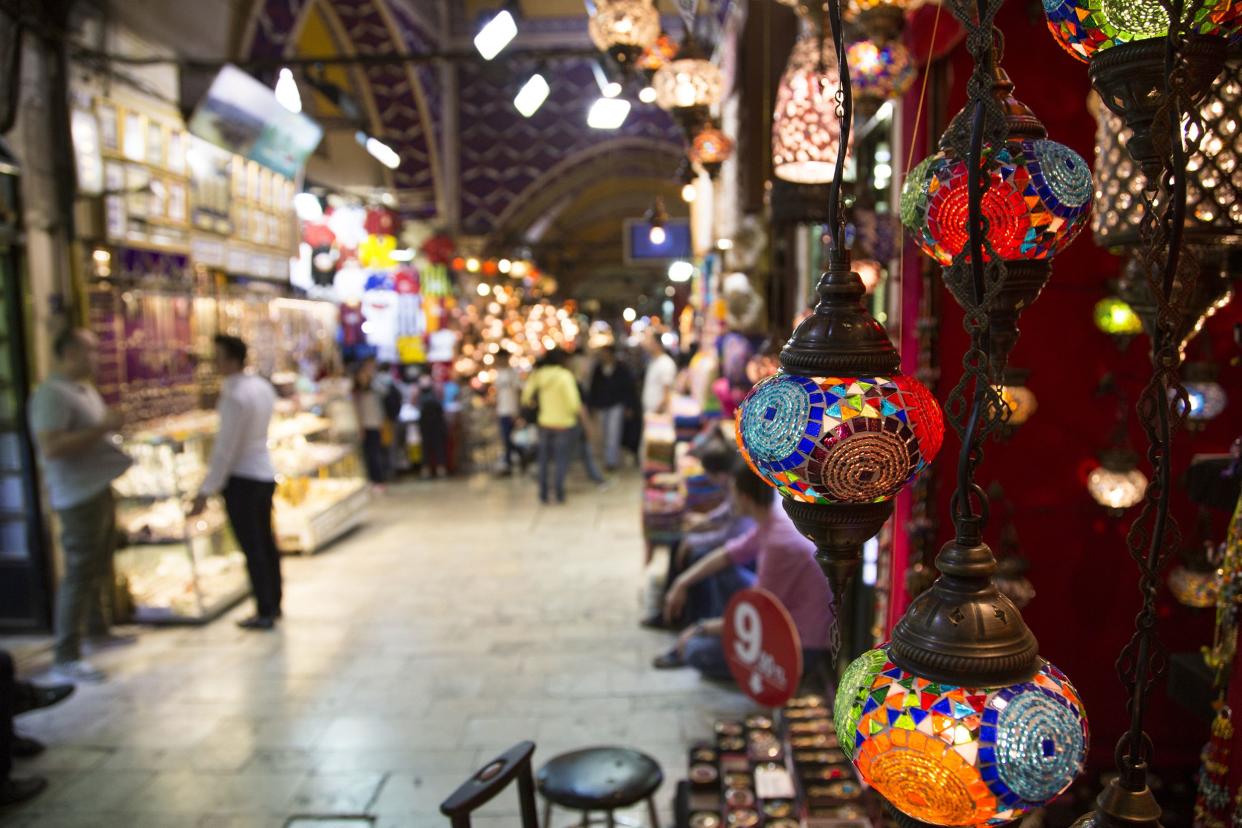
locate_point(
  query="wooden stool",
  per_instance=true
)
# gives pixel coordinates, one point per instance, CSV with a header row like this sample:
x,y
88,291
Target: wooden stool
x,y
600,779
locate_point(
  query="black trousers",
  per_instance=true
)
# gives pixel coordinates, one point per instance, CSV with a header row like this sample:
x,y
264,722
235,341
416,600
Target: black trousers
x,y
8,693
249,505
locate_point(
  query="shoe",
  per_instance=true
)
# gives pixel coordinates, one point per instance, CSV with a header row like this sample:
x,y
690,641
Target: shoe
x,y
24,747
107,641
14,791
668,661
76,672
33,697
257,622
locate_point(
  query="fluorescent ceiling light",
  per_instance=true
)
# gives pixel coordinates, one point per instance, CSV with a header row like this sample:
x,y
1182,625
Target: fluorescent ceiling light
x,y
380,151
495,36
680,271
532,95
608,113
287,94
307,206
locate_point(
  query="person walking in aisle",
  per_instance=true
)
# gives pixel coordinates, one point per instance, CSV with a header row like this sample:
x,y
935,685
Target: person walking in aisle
x,y
660,377
612,389
433,424
241,469
370,409
76,436
508,408
553,389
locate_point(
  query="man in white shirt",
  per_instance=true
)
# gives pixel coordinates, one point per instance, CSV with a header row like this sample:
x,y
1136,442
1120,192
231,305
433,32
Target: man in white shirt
x,y
508,407
660,377
241,470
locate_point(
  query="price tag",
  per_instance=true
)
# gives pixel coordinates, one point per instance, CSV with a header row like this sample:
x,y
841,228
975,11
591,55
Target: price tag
x,y
762,647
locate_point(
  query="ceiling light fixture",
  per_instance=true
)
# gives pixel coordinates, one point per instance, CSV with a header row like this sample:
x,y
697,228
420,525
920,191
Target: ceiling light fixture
x,y
380,151
287,94
624,29
608,113
680,271
496,34
532,95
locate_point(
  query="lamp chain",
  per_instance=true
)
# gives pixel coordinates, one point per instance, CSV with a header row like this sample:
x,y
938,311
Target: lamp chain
x,y
1171,271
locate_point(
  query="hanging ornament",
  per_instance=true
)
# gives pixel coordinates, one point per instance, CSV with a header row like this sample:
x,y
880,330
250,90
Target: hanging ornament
x,y
1019,400
1205,396
806,129
689,84
1116,318
624,28
1037,200
883,20
1117,483
710,148
656,55
879,72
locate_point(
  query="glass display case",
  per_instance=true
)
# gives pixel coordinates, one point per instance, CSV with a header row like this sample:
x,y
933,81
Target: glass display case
x,y
176,569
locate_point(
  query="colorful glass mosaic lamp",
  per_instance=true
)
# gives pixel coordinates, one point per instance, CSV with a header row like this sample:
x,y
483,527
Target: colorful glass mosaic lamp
x,y
1124,45
839,430
879,72
689,84
624,28
806,127
957,720
1037,201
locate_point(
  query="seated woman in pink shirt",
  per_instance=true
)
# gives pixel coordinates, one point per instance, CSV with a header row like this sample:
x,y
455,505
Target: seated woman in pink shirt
x,y
786,568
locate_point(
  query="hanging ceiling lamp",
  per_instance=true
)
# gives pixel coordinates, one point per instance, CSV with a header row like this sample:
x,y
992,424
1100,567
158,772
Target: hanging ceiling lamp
x,y
883,20
839,430
1116,318
710,148
806,130
687,178
879,72
1037,200
1211,289
624,28
657,218
689,84
656,55
1206,398
1117,483
1018,399
1124,44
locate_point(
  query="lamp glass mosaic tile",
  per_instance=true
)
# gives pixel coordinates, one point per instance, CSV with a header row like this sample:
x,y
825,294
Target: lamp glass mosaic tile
x,y
949,755
1084,27
839,439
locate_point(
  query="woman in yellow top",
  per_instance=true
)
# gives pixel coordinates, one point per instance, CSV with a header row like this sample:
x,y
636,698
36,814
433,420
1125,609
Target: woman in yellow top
x,y
554,390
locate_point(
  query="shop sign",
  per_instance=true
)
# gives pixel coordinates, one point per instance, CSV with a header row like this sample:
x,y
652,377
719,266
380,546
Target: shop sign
x,y
762,647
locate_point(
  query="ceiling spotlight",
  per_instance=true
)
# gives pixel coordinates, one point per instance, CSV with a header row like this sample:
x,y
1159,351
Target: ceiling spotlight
x,y
287,94
680,271
496,34
608,113
380,151
629,314
657,217
532,95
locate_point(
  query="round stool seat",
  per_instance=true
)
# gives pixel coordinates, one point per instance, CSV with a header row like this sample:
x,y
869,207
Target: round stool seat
x,y
599,779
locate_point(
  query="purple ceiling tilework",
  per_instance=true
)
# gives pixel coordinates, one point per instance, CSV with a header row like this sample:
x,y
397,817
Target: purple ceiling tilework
x,y
401,124
419,41
503,153
275,21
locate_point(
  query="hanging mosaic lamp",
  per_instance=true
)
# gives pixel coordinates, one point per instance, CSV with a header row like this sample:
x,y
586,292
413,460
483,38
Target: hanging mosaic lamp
x,y
839,430
1124,44
883,20
1018,399
689,84
806,130
1117,483
878,72
624,28
656,55
1212,289
1116,318
1213,188
1206,397
710,148
1037,201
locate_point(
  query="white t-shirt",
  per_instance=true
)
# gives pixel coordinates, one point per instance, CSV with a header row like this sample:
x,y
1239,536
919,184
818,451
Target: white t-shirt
x,y
508,392
661,374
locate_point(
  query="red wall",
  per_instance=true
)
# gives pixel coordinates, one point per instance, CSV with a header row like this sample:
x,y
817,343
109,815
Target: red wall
x,y
1086,582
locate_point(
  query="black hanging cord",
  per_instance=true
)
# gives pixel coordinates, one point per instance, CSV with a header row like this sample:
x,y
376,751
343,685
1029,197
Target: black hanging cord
x,y
845,111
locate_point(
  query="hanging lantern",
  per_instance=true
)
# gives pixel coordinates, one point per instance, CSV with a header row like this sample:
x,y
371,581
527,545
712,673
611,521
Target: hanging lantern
x,y
839,430
1018,399
1116,318
1117,483
1213,188
1206,397
710,148
624,28
883,20
1212,289
806,130
1037,200
1124,44
950,755
688,84
656,55
878,73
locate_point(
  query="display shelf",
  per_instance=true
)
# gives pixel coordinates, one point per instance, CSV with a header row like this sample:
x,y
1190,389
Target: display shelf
x,y
312,458
326,511
184,583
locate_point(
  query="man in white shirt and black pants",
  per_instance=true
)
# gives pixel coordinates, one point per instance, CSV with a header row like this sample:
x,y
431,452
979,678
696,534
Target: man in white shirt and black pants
x,y
241,469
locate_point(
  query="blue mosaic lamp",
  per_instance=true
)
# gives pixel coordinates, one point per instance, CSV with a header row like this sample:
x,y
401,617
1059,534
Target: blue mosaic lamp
x,y
839,430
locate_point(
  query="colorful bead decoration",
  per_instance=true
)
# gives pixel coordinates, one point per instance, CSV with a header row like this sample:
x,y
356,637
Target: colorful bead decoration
x,y
880,71
954,756
1084,27
1036,203
839,439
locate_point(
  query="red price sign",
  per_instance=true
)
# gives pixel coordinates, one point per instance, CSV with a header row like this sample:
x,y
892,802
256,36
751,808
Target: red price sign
x,y
762,647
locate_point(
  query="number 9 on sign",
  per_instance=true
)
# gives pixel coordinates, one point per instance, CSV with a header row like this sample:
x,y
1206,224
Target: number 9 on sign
x,y
748,627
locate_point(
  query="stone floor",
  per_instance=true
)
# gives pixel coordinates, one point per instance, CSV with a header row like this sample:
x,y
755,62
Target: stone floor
x,y
461,619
